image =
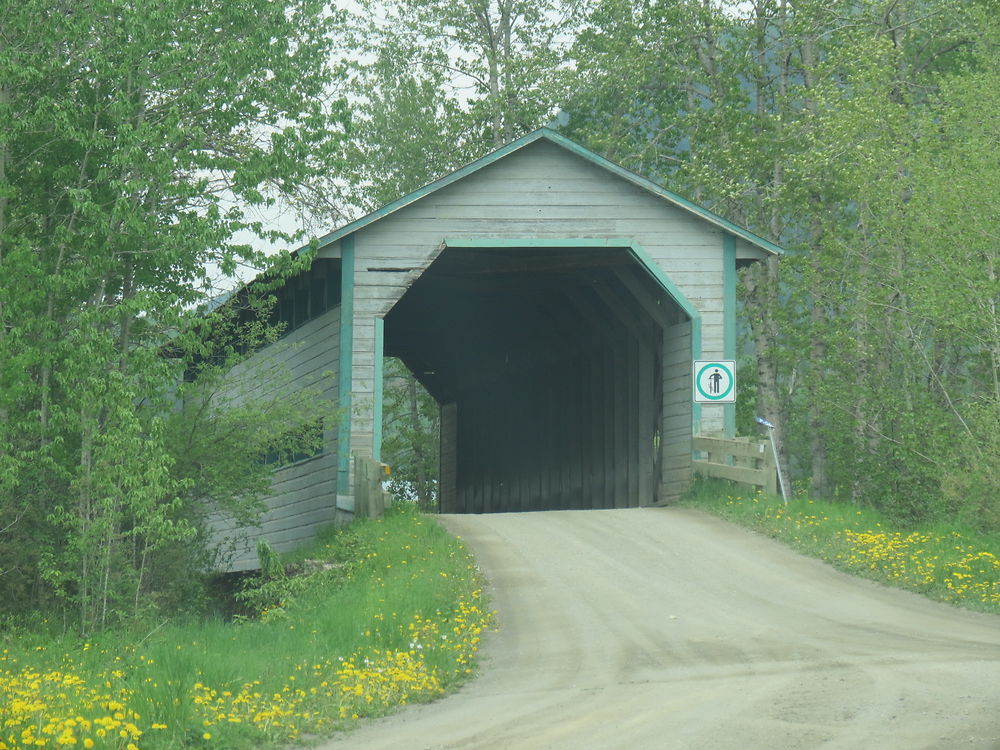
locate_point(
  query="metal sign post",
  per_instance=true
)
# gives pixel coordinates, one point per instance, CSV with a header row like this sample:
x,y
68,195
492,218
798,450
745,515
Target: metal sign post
x,y
777,462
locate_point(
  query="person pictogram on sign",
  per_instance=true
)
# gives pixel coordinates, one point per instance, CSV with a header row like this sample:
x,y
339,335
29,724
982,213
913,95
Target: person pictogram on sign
x,y
716,378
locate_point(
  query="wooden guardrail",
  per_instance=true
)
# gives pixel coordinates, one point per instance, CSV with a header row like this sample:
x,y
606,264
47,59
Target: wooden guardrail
x,y
370,499
739,460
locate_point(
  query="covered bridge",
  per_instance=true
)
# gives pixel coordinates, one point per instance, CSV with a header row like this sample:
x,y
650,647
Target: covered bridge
x,y
551,301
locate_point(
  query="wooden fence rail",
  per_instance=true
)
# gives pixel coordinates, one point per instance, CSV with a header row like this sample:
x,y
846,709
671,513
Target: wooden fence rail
x,y
739,460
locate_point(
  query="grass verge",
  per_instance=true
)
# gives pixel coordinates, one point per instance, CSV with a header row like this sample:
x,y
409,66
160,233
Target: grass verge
x,y
945,562
395,616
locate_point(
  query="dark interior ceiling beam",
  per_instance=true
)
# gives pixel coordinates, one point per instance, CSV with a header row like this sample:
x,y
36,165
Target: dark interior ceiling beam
x,y
587,306
661,308
547,266
638,324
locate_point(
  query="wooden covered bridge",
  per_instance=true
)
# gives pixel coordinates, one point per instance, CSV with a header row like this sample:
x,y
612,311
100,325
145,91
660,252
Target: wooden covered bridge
x,y
552,303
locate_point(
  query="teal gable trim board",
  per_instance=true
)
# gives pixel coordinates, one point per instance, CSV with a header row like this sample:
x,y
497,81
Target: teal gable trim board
x,y
346,364
563,142
729,322
654,270
377,394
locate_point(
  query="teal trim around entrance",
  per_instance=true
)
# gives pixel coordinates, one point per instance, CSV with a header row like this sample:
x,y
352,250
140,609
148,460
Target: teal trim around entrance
x,y
377,395
729,322
345,381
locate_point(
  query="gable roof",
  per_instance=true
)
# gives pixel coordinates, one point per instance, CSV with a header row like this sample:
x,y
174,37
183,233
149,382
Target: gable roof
x,y
574,148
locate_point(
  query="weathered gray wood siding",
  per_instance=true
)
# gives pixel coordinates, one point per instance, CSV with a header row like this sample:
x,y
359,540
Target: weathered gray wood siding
x,y
303,495
543,192
676,428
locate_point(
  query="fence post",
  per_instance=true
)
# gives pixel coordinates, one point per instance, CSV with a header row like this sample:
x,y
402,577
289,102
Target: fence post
x,y
369,498
767,462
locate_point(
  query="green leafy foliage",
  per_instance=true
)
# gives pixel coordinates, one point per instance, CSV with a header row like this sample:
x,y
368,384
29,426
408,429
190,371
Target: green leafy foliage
x,y
861,136
135,140
396,618
411,439
438,83
950,562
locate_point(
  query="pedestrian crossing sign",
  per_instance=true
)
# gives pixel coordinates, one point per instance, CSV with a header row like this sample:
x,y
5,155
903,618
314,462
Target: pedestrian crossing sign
x,y
714,381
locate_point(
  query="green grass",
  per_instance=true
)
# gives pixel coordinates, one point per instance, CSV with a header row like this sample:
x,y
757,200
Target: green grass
x,y
947,562
397,620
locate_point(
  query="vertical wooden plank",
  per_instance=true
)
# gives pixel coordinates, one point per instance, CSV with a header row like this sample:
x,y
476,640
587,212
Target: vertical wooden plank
x,y
484,428
593,405
550,496
632,366
527,449
467,447
346,369
570,435
648,413
448,463
621,419
461,460
505,451
677,408
609,428
729,322
597,430
561,422
475,443
377,394
485,433
586,406
533,439
577,405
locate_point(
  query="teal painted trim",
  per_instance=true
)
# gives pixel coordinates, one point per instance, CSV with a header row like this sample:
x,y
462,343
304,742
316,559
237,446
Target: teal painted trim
x,y
567,242
346,364
695,354
729,322
664,281
572,147
377,389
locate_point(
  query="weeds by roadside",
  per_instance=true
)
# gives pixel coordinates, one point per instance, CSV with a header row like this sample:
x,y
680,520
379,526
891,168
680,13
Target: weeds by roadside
x,y
398,619
947,563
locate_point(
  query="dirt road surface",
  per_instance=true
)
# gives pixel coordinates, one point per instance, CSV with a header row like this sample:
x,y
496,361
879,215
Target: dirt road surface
x,y
666,628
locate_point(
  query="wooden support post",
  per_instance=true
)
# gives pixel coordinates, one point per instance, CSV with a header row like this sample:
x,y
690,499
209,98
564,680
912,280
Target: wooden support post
x,y
370,500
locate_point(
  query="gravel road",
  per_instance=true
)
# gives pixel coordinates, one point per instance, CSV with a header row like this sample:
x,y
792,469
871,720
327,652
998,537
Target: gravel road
x,y
667,628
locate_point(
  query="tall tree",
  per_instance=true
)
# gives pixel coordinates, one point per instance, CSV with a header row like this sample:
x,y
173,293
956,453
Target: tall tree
x,y
805,121
437,84
132,135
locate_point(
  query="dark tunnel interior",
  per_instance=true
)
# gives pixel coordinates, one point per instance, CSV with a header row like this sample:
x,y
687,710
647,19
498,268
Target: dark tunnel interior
x,y
547,363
